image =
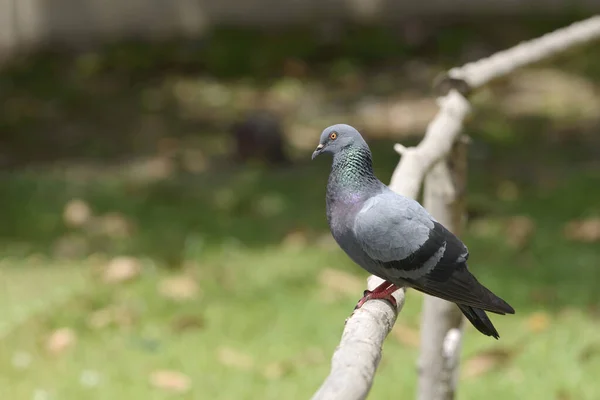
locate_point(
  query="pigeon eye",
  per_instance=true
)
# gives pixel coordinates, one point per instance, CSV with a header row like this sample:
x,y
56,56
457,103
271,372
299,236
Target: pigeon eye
x,y
333,135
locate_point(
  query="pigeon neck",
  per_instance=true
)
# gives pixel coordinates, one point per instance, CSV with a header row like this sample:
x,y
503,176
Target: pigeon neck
x,y
352,169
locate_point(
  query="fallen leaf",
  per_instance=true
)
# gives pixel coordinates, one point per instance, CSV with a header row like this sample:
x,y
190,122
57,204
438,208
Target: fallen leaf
x,y
179,288
335,282
235,359
485,361
187,322
538,322
171,381
585,230
122,269
60,340
519,231
76,213
406,335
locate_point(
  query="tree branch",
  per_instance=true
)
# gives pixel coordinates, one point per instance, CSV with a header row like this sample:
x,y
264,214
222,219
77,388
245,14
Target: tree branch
x,y
355,361
442,321
363,337
437,143
481,72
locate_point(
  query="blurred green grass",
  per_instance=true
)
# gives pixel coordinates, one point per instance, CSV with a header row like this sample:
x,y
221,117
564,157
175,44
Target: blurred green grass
x,y
263,299
28,289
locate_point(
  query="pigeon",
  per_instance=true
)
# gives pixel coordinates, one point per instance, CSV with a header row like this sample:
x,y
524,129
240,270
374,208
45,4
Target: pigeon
x,y
394,237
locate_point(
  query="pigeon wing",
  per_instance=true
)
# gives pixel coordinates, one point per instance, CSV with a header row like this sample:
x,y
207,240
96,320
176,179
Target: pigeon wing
x,y
399,234
451,280
411,246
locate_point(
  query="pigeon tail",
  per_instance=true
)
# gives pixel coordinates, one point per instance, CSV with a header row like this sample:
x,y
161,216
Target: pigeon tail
x,y
480,320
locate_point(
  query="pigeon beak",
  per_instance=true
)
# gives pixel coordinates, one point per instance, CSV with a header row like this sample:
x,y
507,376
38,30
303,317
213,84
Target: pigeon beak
x,y
317,151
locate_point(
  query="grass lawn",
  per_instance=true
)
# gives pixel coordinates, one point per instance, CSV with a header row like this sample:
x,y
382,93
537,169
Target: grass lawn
x,y
27,288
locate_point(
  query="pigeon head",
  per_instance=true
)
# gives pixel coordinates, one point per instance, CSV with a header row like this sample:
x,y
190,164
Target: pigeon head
x,y
338,138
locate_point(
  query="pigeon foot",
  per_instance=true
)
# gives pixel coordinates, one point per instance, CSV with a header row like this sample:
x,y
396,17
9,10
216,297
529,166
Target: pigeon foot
x,y
383,291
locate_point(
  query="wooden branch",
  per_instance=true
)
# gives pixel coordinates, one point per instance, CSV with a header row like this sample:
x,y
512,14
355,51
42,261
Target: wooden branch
x,y
442,321
355,361
451,356
437,143
481,72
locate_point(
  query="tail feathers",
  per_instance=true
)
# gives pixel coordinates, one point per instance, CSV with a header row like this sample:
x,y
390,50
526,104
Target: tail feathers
x,y
480,320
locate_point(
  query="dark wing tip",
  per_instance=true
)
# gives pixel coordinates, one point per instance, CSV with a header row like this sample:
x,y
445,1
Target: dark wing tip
x,y
480,321
502,305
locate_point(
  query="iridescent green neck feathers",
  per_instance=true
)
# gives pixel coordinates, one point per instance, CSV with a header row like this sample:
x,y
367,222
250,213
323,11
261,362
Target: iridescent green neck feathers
x,y
352,171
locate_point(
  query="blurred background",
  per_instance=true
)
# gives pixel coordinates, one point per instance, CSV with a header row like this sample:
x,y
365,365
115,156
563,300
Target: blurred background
x,y
163,231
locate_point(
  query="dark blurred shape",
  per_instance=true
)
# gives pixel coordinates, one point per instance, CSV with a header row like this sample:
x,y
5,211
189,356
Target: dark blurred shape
x,y
443,83
186,323
259,136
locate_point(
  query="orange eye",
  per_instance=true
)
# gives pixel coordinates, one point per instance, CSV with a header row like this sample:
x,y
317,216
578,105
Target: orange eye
x,y
333,135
